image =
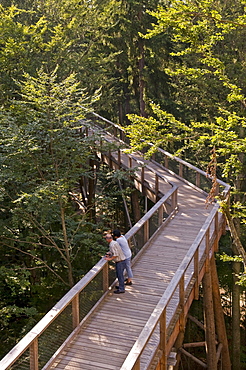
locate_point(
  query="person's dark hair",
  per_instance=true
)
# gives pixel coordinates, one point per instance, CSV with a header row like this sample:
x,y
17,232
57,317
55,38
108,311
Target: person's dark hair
x,y
116,233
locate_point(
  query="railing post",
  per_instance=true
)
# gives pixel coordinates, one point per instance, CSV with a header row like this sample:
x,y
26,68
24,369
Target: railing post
x,y
217,190
174,199
119,157
198,179
34,355
166,161
122,135
163,341
181,304
129,161
196,274
75,310
207,250
142,179
137,365
156,186
181,169
110,158
105,277
146,231
216,230
160,215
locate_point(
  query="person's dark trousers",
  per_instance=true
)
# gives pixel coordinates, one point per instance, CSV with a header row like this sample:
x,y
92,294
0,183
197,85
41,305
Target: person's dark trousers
x,y
120,267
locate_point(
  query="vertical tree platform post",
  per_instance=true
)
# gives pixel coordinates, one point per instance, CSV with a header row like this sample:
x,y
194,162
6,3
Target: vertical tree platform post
x,y
209,319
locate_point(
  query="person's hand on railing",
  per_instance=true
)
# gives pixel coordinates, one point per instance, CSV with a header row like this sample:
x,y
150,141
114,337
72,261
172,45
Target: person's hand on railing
x,y
108,256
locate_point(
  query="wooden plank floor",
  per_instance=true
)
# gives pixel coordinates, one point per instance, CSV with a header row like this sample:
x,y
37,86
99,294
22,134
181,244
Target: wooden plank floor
x,y
109,334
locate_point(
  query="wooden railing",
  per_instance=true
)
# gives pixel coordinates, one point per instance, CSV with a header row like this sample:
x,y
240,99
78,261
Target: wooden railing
x,y
175,165
30,341
31,351
179,289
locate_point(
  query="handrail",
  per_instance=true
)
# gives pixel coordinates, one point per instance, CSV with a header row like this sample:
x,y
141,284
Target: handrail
x,y
192,167
142,163
27,341
169,155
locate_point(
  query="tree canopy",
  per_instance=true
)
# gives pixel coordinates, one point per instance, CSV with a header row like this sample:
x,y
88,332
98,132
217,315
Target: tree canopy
x,y
170,72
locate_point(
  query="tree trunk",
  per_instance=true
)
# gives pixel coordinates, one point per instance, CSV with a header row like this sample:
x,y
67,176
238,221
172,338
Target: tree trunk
x,y
141,80
219,318
92,191
236,318
135,206
67,247
141,69
209,321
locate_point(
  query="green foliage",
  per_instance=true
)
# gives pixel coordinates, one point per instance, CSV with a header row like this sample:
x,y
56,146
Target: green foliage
x,y
113,186
206,86
15,305
43,155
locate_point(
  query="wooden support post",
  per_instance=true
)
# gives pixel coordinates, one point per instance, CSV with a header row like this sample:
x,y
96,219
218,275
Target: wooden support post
x,y
181,304
156,187
207,250
219,318
122,135
174,199
75,311
180,338
197,322
163,341
146,231
217,191
178,345
119,158
194,358
160,216
142,180
166,162
196,274
181,169
34,355
105,277
209,321
216,232
198,179
220,346
194,345
137,365
110,159
130,162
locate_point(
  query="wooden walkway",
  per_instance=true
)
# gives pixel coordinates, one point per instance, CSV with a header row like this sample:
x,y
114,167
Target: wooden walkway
x,y
123,331
107,337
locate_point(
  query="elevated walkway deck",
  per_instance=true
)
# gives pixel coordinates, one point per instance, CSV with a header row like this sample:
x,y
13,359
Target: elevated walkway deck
x,y
108,335
138,329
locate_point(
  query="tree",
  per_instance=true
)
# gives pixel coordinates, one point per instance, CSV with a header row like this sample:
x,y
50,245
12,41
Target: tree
x,y
44,152
205,71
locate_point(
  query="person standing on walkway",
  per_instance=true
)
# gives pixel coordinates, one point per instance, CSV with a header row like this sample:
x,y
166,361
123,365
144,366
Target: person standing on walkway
x,y
121,240
116,255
